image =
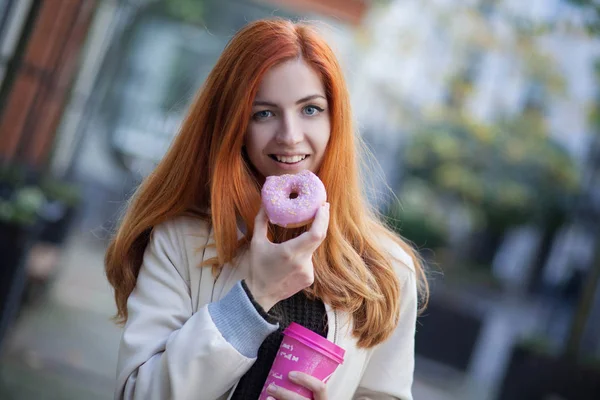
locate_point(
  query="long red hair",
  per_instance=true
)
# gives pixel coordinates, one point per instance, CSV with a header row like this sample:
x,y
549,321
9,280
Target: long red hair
x,y
205,172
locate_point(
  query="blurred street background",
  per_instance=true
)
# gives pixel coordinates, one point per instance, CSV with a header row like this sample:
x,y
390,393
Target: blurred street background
x,y
484,119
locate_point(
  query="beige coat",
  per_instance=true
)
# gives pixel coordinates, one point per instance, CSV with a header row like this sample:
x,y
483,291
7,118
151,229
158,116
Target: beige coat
x,y
171,349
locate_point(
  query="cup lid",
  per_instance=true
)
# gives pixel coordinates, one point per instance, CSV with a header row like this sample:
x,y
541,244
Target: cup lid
x,y
315,340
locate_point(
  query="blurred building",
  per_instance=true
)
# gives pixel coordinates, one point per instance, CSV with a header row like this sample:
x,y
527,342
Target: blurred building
x,y
40,44
400,66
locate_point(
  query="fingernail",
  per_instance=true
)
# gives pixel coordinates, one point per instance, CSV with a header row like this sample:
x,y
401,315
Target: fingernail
x,y
270,398
272,388
293,375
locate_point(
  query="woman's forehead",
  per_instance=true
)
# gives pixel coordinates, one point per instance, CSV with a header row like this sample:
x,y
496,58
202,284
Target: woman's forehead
x,y
289,82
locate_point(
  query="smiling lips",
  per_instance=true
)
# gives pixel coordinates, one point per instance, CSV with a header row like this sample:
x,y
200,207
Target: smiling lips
x,y
288,159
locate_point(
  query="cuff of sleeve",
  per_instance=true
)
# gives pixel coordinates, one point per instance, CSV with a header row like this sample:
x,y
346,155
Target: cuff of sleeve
x,y
239,321
270,318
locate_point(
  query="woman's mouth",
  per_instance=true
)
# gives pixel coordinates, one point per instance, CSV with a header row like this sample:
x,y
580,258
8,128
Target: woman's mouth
x,y
288,159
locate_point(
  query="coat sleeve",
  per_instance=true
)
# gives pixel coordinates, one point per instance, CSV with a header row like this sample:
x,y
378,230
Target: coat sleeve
x,y
166,351
389,372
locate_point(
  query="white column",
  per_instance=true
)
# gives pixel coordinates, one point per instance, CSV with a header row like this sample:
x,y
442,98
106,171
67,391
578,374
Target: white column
x,y
98,41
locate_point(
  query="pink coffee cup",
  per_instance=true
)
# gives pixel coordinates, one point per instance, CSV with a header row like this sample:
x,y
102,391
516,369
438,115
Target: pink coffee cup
x,y
306,351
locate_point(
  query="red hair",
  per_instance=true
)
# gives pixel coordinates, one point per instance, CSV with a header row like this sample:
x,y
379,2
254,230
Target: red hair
x,y
205,171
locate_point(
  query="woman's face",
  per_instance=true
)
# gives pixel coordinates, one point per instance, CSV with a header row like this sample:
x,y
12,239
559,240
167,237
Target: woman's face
x,y
289,127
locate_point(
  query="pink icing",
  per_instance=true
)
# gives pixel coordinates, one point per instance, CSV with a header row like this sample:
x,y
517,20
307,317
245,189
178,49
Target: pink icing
x,y
283,210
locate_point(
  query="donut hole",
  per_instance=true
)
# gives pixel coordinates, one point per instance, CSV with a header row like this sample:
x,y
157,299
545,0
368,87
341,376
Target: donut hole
x,y
293,195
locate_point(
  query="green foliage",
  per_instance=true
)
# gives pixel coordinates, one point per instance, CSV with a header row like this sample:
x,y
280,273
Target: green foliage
x,y
22,197
539,344
418,217
592,12
510,172
594,112
190,11
23,206
11,175
467,274
58,190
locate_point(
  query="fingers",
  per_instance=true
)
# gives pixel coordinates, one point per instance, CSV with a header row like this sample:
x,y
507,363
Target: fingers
x,y
322,219
312,238
261,224
313,384
316,386
279,393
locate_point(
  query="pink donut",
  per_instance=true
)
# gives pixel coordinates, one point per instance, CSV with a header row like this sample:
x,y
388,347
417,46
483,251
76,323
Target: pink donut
x,y
293,200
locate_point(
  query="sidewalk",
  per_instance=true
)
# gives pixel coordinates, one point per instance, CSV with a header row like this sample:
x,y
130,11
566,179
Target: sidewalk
x,y
65,347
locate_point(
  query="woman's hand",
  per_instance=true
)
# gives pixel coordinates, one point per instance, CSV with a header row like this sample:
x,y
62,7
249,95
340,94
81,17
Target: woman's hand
x,y
310,382
278,271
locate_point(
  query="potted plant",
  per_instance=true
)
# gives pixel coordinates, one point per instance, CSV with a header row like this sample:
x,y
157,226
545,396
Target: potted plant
x,y
19,220
57,214
63,198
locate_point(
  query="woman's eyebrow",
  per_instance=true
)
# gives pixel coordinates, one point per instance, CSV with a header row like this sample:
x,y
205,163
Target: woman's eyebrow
x,y
311,97
302,100
263,103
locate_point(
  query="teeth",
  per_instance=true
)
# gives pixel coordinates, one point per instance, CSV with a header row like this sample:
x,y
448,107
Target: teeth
x,y
290,160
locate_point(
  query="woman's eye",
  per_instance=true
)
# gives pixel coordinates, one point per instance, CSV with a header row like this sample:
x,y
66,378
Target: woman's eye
x,y
312,110
262,114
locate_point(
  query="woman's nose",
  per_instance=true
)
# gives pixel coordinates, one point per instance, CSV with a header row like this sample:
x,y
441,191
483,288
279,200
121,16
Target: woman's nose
x,y
290,131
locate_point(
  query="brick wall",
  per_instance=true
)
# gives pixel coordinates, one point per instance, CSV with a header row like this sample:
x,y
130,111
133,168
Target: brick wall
x,y
42,79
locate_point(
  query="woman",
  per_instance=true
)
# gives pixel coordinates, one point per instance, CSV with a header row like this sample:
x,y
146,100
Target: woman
x,y
275,103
